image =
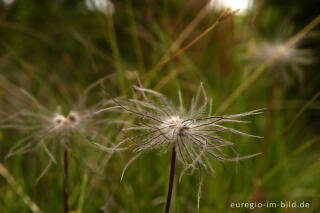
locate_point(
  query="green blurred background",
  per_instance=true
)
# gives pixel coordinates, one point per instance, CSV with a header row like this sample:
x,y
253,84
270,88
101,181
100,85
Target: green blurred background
x,y
56,48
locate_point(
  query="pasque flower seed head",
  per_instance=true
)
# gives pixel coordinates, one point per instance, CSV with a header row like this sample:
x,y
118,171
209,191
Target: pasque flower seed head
x,y
194,133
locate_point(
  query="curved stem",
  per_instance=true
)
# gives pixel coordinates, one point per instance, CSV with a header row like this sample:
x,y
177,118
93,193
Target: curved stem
x,y
172,168
65,175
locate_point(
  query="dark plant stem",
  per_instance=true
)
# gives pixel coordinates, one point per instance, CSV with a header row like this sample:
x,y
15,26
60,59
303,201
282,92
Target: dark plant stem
x,y
172,168
65,175
260,194
270,120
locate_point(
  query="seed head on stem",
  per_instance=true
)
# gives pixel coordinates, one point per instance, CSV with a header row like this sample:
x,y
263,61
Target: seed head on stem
x,y
42,127
195,134
288,66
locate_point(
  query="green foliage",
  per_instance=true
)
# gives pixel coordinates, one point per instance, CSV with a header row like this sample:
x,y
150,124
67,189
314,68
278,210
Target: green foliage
x,y
56,48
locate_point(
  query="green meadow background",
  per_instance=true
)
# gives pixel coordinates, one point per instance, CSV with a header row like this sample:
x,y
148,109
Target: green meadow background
x,y
56,48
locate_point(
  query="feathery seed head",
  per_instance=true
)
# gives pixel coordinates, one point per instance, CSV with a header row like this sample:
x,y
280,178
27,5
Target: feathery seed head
x,y
58,120
44,127
173,127
66,123
195,134
288,60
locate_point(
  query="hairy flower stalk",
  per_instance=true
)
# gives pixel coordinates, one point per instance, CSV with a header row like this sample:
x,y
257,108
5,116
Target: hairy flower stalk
x,y
172,168
194,134
66,174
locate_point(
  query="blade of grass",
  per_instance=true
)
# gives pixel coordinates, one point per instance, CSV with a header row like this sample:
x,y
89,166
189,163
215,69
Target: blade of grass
x,y
28,67
167,79
18,189
309,171
92,48
300,149
27,30
188,30
224,15
111,38
166,42
268,176
304,108
134,34
82,193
